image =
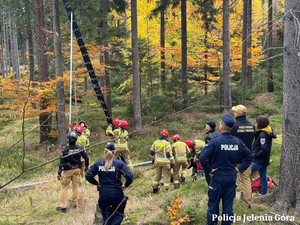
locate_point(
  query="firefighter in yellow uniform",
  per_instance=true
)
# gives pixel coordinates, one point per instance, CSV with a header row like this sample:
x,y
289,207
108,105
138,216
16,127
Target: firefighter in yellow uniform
x,y
85,131
180,152
82,141
110,130
121,137
161,155
195,147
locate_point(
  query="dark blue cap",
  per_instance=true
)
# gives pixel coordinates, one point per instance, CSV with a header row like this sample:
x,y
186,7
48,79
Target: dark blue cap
x,y
110,147
212,124
228,120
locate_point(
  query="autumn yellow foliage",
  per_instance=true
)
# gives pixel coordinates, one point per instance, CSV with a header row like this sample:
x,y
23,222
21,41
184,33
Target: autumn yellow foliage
x,y
173,212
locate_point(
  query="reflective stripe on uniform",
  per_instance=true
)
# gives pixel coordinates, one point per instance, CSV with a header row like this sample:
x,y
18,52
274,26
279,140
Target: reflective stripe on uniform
x,y
167,184
180,158
162,159
155,182
121,145
176,181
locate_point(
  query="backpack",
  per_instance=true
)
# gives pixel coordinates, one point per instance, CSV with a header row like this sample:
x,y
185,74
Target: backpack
x,y
256,185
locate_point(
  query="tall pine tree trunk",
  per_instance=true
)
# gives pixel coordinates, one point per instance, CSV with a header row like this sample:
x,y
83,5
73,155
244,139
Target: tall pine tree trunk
x,y
31,53
30,39
249,45
184,53
107,77
44,117
244,46
1,51
270,85
226,57
163,50
287,193
205,62
137,109
60,102
16,51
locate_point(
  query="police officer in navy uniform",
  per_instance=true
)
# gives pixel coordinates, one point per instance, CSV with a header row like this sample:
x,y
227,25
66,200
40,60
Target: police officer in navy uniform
x,y
225,151
112,200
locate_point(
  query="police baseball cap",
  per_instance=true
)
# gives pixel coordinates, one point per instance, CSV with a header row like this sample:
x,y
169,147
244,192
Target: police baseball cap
x,y
110,147
240,109
228,120
212,124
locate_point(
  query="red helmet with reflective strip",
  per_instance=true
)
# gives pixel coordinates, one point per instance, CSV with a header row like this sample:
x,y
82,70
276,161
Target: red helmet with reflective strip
x,y
189,143
78,128
123,124
164,132
176,137
116,122
85,124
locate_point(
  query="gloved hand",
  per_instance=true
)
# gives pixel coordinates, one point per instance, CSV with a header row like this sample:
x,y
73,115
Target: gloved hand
x,y
86,169
191,164
172,165
59,175
153,160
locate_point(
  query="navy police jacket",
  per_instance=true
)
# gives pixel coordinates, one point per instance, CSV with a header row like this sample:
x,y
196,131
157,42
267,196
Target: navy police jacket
x,y
110,179
224,152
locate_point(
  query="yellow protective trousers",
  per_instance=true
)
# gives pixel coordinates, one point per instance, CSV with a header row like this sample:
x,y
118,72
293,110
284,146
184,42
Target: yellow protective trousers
x,y
164,169
179,164
124,151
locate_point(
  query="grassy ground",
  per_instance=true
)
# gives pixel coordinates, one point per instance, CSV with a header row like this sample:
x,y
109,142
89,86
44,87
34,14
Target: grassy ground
x,y
36,205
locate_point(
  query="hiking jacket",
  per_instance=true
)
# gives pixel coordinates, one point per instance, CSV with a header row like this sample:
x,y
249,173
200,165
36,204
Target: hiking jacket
x,y
110,179
71,156
262,146
210,135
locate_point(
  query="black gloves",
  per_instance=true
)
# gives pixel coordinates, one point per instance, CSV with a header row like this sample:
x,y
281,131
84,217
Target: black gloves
x,y
172,165
59,175
153,160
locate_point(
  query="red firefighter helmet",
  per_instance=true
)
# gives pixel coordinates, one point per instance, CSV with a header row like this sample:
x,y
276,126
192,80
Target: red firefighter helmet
x,y
189,143
116,122
176,137
82,121
164,132
78,128
123,124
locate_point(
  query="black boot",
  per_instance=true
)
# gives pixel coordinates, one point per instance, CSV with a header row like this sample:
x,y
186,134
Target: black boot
x,y
155,190
182,180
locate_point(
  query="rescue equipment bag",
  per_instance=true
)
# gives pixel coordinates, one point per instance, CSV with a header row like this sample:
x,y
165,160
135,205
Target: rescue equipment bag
x,y
256,185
